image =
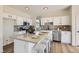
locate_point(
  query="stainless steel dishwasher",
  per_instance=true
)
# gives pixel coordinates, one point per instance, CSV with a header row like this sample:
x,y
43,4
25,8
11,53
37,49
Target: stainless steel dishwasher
x,y
56,35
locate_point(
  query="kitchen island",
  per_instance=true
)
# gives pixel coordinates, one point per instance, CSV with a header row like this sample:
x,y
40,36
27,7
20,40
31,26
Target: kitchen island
x,y
24,43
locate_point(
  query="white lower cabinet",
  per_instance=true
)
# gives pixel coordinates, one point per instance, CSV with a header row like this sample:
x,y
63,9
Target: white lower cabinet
x,y
19,46
29,47
22,46
50,35
66,37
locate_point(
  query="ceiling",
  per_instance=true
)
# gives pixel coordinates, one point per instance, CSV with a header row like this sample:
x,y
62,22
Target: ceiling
x,y
37,10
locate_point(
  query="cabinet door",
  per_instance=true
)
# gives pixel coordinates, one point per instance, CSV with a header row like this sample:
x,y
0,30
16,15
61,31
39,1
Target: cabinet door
x,y
19,46
23,46
46,20
49,20
28,47
65,20
19,20
37,24
43,21
29,20
66,37
50,35
57,21
24,19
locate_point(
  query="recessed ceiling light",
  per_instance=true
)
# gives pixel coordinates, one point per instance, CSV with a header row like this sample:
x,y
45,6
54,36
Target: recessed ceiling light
x,y
45,8
27,8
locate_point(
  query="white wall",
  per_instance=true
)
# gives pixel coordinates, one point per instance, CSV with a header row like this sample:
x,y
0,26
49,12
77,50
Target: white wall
x,y
1,29
17,12
75,12
8,9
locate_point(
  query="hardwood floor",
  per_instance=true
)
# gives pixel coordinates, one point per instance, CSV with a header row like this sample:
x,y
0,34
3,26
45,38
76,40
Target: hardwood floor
x,y
8,48
57,47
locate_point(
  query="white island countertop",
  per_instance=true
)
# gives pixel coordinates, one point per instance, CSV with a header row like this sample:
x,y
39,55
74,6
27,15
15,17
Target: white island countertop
x,y
32,37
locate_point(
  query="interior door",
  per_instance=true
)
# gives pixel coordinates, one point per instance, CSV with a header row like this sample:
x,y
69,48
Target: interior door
x,y
77,30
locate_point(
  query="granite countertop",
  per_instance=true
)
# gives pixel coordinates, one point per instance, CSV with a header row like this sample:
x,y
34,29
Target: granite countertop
x,y
32,37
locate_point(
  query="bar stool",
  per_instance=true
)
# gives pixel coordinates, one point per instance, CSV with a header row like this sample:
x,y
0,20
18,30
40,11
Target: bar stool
x,y
47,43
39,48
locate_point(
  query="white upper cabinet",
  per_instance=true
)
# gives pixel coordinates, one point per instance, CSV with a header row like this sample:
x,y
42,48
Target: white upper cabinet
x,y
46,20
19,20
62,20
8,15
42,21
66,20
29,20
50,20
57,20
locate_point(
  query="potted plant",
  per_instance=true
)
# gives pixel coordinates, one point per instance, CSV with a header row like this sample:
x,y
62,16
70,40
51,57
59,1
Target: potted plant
x,y
31,30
